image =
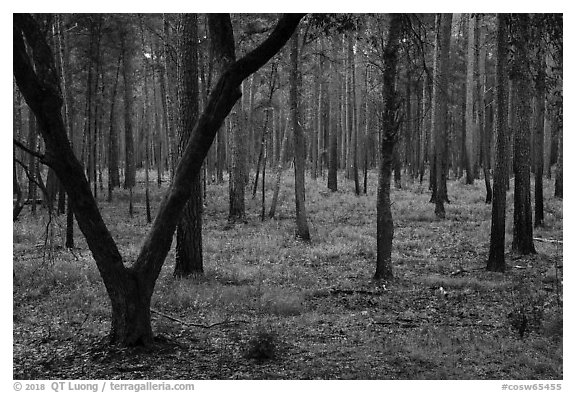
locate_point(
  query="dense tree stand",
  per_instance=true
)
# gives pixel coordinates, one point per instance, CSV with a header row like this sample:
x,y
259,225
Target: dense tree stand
x,y
130,290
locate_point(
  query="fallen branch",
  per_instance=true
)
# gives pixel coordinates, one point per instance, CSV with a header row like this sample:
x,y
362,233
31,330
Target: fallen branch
x,y
354,291
414,324
548,240
194,324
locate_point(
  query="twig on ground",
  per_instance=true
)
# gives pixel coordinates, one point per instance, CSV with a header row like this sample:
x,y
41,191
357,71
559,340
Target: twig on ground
x,y
539,239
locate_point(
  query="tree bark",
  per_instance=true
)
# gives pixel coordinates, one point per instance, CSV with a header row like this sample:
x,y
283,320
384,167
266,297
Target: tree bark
x,y
189,259
390,125
522,241
471,142
496,260
113,173
302,231
333,139
440,109
540,101
128,74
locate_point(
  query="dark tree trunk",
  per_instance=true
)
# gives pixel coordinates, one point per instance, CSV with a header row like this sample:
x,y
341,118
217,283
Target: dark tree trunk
x,y
440,109
540,99
128,75
471,143
496,260
558,184
31,165
384,221
333,139
113,173
522,241
130,289
302,231
189,230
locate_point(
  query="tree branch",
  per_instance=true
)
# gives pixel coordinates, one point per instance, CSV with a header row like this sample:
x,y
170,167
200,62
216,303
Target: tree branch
x,y
28,150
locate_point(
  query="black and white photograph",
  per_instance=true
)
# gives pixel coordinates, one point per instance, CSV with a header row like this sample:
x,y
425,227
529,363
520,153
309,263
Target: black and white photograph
x,y
260,196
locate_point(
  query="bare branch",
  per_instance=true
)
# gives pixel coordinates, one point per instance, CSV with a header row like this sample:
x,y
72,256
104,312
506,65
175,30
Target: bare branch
x,y
28,150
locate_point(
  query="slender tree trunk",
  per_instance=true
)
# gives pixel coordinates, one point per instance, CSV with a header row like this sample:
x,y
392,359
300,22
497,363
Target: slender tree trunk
x,y
440,108
31,143
271,85
113,173
540,101
127,74
558,182
279,169
470,107
145,127
496,260
65,75
333,140
480,81
384,220
302,231
522,241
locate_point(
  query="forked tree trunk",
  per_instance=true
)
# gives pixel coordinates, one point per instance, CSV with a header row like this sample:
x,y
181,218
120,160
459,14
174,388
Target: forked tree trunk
x,y
130,289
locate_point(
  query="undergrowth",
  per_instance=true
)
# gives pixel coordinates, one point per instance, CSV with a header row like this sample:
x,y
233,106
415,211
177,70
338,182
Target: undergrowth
x,y
286,309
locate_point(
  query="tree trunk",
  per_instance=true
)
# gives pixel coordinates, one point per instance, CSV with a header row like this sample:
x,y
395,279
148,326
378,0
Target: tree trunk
x,y
470,123
540,100
484,138
496,260
189,258
333,139
113,173
522,241
558,182
354,113
279,168
440,108
128,74
302,231
168,78
32,143
384,221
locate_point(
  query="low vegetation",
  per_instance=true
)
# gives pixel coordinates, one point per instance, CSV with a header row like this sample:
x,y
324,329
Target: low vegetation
x,y
271,307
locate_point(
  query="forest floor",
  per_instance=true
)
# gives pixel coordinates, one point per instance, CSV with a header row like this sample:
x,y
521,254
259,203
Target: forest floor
x,y
302,311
